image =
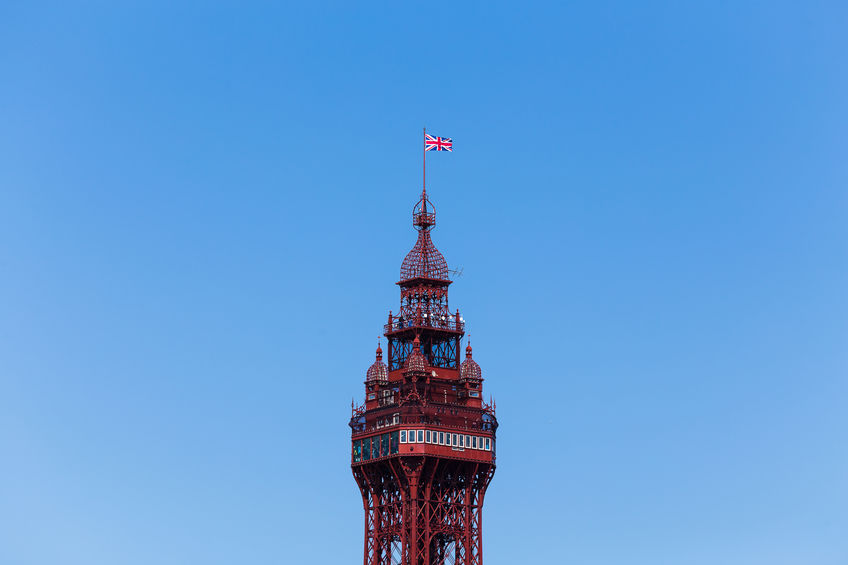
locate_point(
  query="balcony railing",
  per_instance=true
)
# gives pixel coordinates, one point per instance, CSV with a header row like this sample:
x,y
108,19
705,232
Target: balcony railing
x,y
439,321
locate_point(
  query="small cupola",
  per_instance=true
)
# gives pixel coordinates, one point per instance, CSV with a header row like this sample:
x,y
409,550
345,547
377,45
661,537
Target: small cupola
x,y
415,362
378,371
469,368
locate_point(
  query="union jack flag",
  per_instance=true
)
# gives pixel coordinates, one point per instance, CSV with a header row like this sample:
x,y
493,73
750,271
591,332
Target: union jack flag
x,y
437,143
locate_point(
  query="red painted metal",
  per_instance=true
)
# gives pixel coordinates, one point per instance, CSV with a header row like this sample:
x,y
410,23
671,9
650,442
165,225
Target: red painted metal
x,y
423,444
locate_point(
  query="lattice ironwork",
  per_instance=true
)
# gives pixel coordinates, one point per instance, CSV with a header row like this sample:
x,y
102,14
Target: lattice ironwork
x,y
423,511
424,261
423,498
439,351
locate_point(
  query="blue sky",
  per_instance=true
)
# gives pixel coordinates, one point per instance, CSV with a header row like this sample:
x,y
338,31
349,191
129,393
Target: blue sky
x,y
204,207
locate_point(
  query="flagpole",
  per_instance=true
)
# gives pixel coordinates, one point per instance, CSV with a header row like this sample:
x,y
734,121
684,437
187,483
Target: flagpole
x,y
424,155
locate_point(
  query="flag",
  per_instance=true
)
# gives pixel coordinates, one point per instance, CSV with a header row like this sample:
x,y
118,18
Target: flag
x,y
437,143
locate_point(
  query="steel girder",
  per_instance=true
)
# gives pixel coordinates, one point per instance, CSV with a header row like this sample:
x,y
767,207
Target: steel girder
x,y
423,510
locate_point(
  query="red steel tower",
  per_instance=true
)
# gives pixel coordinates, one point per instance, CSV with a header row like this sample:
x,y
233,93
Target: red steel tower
x,y
423,444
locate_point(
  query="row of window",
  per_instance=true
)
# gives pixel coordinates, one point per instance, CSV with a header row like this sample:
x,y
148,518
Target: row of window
x,y
375,446
388,443
446,438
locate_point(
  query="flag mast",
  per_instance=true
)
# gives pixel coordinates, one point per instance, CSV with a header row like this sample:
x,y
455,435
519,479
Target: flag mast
x,y
424,154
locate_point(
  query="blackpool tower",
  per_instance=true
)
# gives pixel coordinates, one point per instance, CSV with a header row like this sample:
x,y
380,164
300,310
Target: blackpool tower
x,y
423,444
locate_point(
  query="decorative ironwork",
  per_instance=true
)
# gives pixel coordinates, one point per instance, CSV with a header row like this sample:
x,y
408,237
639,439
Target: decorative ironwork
x,y
423,496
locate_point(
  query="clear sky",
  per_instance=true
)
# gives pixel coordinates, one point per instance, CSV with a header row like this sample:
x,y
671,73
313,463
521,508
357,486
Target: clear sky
x,y
204,208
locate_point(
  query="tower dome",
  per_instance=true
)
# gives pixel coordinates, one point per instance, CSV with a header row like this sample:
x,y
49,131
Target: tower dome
x,y
424,260
416,360
378,371
469,368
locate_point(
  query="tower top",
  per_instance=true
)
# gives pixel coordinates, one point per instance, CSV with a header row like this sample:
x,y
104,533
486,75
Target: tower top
x,y
424,260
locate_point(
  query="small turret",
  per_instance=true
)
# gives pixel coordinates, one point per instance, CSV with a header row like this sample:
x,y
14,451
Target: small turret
x,y
378,371
470,370
415,362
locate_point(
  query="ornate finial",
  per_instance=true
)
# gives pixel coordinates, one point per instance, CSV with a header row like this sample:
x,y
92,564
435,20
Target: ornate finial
x,y
424,213
379,349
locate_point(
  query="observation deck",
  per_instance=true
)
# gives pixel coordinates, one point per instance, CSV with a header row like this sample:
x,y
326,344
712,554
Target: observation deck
x,y
447,322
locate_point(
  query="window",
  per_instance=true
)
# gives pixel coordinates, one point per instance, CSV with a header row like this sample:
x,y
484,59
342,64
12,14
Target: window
x,y
366,449
473,393
474,442
456,440
487,444
428,437
395,418
384,448
386,397
420,436
393,443
357,451
441,438
372,396
411,436
468,442
403,436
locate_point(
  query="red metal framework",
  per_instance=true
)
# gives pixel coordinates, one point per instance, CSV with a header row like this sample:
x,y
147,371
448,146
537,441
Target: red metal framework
x,y
423,444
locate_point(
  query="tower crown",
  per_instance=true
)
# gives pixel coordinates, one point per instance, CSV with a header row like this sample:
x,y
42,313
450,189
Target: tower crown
x,y
424,260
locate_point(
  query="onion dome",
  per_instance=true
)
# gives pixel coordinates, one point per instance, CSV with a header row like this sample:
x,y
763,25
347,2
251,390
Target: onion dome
x,y
424,260
378,371
469,368
416,360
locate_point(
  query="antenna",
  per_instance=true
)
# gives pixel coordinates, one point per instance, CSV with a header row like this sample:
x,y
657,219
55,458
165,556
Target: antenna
x,y
456,273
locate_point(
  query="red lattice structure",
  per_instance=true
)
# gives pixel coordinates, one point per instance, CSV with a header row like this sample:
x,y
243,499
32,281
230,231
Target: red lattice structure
x,y
424,260
423,444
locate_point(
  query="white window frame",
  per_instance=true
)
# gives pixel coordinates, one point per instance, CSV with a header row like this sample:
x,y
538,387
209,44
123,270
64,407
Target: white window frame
x,y
420,438
441,438
410,436
427,437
